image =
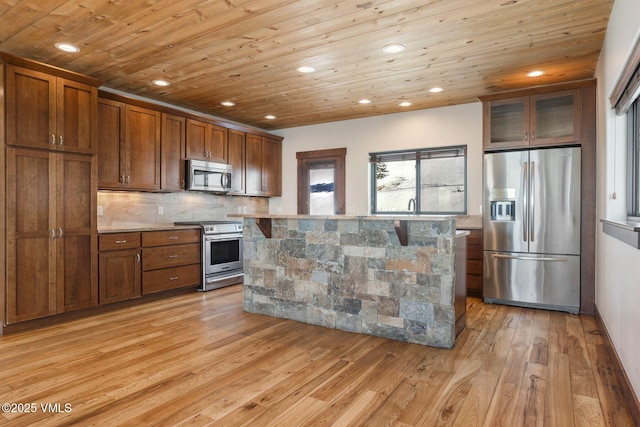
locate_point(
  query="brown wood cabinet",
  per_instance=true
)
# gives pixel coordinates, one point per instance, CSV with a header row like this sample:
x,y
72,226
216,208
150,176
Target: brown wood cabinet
x,y
263,166
540,119
120,267
128,146
171,260
206,141
51,233
49,112
474,263
172,152
237,161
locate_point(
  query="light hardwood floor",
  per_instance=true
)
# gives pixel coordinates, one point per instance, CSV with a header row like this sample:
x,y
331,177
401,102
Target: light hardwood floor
x,y
198,359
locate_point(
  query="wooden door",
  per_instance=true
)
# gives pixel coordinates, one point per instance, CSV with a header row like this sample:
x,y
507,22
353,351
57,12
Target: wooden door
x,y
196,140
172,152
236,160
31,220
111,147
217,143
30,108
272,167
253,165
120,275
76,236
77,112
142,139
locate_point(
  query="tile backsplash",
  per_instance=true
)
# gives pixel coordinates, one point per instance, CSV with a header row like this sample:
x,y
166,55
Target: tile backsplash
x,y
133,209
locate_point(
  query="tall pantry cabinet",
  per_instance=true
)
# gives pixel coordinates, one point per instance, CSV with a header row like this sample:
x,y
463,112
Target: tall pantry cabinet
x,y
48,196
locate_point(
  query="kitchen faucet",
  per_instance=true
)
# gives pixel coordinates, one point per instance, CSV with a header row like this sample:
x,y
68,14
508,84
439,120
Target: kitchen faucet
x,y
412,201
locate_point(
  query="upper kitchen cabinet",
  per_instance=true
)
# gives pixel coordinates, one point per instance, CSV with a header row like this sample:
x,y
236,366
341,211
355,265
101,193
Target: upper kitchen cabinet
x,y
172,150
263,165
128,147
48,111
237,161
552,118
206,141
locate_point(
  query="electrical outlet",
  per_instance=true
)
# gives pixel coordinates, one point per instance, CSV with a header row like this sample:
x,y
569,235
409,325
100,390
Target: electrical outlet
x,y
100,211
160,210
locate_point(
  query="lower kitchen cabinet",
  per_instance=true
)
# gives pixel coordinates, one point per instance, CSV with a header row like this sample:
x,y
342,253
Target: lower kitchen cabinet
x,y
474,263
51,238
120,267
171,260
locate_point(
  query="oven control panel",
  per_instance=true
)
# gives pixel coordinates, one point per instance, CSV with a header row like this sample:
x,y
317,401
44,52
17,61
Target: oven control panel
x,y
222,228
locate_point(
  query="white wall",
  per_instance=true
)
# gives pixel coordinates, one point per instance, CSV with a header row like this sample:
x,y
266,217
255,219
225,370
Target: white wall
x,y
437,127
617,264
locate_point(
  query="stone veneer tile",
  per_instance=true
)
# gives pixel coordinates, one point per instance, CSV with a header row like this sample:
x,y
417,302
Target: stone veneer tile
x,y
353,275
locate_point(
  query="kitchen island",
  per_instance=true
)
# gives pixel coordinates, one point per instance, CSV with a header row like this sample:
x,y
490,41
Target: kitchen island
x,y
382,276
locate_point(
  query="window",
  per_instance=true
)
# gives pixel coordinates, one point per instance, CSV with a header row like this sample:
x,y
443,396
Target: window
x,y
424,181
633,159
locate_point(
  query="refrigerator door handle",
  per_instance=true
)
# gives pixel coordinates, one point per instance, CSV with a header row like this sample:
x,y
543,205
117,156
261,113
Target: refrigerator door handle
x,y
528,258
525,199
532,202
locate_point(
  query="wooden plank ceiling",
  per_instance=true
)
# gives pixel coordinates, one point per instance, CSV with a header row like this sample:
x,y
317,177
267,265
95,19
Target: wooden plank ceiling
x,y
247,51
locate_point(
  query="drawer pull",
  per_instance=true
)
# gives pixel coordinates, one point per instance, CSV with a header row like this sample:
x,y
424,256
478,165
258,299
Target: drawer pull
x,y
173,237
173,278
121,241
173,256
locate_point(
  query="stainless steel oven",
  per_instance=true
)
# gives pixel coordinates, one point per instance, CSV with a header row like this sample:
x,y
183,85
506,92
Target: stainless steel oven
x,y
222,262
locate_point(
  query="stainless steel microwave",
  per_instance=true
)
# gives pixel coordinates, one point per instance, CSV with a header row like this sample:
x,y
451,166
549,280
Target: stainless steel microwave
x,y
208,176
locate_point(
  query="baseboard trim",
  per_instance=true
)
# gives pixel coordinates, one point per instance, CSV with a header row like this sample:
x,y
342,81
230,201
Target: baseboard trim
x,y
627,390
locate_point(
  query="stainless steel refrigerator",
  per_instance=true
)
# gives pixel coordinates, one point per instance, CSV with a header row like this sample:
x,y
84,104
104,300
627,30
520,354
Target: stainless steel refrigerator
x,y
532,228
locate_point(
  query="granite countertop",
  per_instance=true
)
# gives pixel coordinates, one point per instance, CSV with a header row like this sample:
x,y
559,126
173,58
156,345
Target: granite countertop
x,y
128,228
464,222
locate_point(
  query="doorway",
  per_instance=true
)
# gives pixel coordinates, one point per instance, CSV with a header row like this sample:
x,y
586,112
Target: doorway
x,y
321,182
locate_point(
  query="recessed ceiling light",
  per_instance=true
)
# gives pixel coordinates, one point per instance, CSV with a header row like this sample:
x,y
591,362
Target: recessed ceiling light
x,y
228,103
393,48
536,73
435,89
405,104
66,47
364,101
306,69
161,83
269,117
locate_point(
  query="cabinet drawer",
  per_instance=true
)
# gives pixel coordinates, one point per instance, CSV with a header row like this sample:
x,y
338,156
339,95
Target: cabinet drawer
x,y
170,256
475,237
171,237
474,252
115,241
474,267
170,278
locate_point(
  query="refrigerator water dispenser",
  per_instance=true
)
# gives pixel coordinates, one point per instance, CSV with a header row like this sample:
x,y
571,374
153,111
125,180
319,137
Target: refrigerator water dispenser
x,y
503,210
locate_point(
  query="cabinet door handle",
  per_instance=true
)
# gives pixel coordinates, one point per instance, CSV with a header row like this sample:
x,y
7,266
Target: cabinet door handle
x,y
53,139
183,184
60,232
173,278
61,140
122,179
138,258
526,136
53,233
128,178
121,241
173,256
533,136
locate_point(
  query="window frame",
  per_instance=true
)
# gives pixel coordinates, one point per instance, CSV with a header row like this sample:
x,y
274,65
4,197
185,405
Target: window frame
x,y
420,154
633,161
